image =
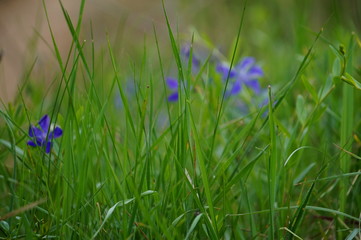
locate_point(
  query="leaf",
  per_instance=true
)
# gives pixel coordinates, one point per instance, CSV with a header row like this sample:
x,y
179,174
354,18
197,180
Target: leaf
x,y
120,203
327,88
290,232
273,163
297,218
318,114
336,52
290,156
194,224
353,234
177,220
300,109
350,80
281,127
310,88
7,144
242,173
303,173
4,227
80,113
299,214
336,68
60,120
315,208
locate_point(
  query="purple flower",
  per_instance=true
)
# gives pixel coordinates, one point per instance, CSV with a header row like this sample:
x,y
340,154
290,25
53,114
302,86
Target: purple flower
x,y
42,137
172,84
186,51
246,72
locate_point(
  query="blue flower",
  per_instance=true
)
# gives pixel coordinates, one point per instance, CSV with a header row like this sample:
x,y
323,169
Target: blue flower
x,y
172,84
186,51
246,72
42,137
223,68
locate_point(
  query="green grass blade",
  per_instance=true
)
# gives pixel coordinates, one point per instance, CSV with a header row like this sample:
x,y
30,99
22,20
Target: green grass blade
x,y
273,165
119,204
347,119
353,234
194,224
298,216
220,109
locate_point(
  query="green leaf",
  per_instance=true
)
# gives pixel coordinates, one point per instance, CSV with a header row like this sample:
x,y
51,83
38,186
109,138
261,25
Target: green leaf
x,y
310,88
328,87
194,224
79,113
272,167
4,227
119,204
7,144
336,68
353,234
298,216
301,109
350,80
242,173
336,52
303,173
281,127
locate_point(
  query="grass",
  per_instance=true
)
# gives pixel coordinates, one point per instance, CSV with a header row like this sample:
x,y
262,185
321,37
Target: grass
x,y
132,165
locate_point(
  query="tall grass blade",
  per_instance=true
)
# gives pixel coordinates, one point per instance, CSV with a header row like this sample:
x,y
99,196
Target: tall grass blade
x,y
119,204
273,165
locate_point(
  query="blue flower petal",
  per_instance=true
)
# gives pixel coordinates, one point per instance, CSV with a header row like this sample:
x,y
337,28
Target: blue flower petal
x,y
44,123
255,72
31,143
56,133
236,88
185,50
48,147
172,83
223,69
39,135
246,62
31,131
40,141
173,97
254,85
35,132
196,62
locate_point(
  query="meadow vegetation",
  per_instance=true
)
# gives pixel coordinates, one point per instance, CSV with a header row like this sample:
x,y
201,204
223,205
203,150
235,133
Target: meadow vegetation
x,y
192,139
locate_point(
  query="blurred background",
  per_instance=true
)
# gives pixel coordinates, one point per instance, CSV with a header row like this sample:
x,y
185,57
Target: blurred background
x,y
270,27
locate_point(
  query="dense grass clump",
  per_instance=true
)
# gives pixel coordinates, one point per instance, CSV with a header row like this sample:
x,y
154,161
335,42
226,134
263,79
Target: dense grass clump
x,y
200,145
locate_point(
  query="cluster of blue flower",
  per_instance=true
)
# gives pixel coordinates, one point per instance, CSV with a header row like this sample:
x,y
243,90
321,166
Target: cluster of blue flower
x,y
246,72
